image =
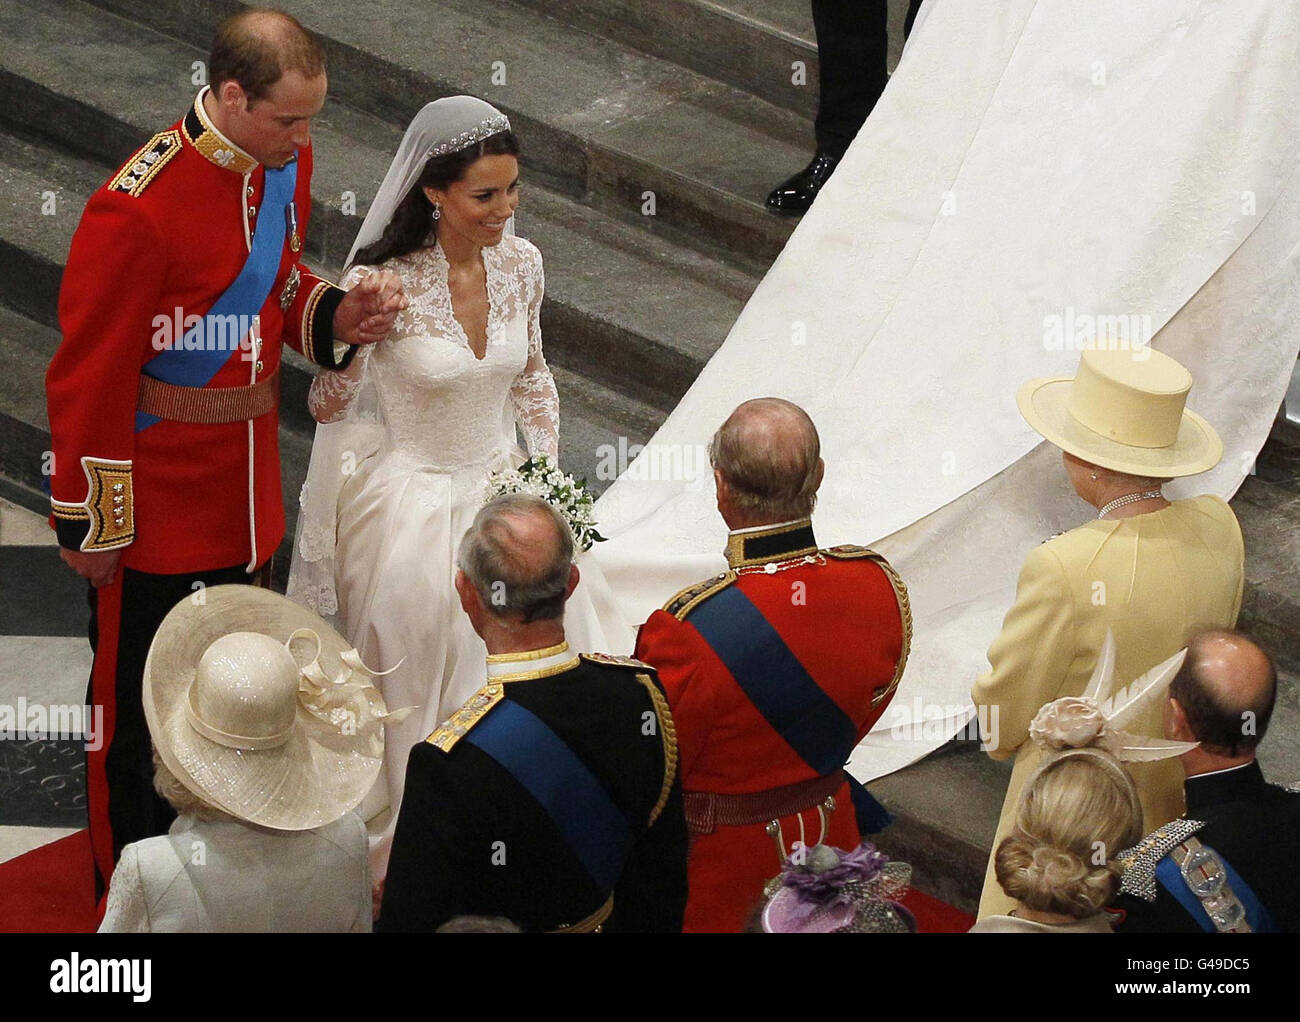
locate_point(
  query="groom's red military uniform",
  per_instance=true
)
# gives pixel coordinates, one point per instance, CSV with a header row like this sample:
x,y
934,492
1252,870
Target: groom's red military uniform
x,y
774,671
168,448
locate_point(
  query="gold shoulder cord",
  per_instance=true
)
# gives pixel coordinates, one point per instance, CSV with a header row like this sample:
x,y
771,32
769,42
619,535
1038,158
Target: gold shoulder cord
x,y
693,595
668,732
593,922
905,610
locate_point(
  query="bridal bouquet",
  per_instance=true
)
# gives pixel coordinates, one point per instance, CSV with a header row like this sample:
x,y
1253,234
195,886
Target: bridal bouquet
x,y
541,477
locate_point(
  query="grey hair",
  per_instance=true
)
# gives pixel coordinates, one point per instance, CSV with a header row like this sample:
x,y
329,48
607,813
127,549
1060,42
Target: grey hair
x,y
493,558
777,481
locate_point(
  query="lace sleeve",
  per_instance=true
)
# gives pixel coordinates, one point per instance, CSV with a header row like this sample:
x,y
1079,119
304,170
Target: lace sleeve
x,y
332,392
126,911
533,394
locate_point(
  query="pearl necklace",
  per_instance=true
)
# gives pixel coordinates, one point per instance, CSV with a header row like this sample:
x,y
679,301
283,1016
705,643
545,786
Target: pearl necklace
x,y
1128,498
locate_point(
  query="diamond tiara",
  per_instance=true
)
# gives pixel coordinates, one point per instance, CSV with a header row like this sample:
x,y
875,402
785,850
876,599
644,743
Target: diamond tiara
x,y
478,133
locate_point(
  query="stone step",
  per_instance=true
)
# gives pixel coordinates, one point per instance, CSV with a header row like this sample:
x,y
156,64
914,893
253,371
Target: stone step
x,y
754,45
619,296
749,44
606,123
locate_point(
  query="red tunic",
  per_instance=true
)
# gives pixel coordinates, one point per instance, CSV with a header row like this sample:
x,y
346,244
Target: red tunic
x,y
159,242
845,620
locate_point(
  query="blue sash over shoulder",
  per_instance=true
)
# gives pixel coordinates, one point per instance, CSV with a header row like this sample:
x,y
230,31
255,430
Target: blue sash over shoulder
x,y
193,360
594,828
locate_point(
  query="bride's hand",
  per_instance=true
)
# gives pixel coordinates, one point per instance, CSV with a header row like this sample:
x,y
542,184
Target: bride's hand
x,y
367,312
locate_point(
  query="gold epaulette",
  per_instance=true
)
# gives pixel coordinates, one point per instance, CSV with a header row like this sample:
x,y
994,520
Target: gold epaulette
x,y
693,595
137,173
617,661
851,551
460,723
668,733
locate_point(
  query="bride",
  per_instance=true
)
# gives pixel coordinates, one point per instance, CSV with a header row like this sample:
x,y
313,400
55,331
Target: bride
x,y
413,430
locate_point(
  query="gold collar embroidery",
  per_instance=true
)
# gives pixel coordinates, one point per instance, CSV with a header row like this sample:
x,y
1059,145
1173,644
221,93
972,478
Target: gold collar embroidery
x,y
211,143
775,543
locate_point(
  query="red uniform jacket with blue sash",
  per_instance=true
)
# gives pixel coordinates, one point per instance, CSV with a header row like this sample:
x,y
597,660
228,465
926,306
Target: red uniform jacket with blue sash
x,y
827,631
161,241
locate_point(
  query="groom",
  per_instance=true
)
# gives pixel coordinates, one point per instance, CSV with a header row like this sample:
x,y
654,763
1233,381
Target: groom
x,y
181,284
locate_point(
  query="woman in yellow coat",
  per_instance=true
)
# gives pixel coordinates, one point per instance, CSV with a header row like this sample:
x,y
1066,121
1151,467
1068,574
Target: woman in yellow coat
x,y
1152,571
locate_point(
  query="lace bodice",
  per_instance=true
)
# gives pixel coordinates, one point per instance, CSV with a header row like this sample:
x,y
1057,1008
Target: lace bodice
x,y
440,403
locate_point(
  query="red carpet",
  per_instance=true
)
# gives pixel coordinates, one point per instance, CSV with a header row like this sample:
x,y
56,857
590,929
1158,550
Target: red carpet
x,y
935,916
49,889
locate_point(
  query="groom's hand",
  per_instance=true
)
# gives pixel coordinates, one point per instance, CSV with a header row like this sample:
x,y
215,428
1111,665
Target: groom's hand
x,y
367,312
99,568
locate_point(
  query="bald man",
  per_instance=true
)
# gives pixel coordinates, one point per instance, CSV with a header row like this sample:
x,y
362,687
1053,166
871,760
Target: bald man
x,y
551,797
182,283
774,669
1237,827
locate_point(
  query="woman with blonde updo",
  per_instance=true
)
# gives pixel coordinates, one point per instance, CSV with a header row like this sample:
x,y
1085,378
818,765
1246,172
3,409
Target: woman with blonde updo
x,y
1058,863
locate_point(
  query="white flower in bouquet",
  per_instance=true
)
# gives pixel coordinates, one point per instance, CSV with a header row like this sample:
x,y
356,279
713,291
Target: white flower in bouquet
x,y
541,477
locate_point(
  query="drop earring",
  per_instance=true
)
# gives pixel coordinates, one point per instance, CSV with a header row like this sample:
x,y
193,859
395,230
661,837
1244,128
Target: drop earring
x,y
437,212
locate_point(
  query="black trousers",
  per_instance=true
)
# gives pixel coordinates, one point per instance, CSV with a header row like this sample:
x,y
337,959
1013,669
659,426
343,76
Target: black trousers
x,y
852,50
123,806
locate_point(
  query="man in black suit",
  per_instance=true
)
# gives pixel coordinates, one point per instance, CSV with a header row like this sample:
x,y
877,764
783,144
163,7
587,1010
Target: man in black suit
x,y
1226,866
551,798
852,48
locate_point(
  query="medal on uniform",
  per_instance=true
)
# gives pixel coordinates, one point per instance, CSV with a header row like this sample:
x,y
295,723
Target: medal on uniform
x,y
291,214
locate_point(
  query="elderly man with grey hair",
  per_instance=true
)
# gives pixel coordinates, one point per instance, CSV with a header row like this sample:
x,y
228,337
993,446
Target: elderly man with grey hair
x,y
775,669
551,797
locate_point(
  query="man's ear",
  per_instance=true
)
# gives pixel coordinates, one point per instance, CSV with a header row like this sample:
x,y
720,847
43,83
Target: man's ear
x,y
573,581
469,598
821,474
231,95
1176,726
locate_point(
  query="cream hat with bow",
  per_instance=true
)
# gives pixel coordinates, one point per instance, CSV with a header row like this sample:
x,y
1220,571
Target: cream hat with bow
x,y
1124,410
262,709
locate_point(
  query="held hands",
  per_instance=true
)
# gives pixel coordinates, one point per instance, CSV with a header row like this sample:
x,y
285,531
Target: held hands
x,y
99,568
367,312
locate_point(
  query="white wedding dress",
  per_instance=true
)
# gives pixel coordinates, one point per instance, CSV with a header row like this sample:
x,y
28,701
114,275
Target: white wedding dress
x,y
409,482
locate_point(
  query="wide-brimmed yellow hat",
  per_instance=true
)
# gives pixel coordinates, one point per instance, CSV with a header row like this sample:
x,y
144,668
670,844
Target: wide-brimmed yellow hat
x,y
1124,410
262,709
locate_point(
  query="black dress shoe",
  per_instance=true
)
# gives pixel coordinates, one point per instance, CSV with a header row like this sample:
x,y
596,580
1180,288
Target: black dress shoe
x,y
794,196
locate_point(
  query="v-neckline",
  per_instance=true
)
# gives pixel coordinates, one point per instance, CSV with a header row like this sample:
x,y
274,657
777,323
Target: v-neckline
x,y
451,302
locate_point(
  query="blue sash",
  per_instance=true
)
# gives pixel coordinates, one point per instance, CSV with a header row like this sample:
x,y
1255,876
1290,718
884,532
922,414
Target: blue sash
x,y
593,826
775,681
1171,879
193,360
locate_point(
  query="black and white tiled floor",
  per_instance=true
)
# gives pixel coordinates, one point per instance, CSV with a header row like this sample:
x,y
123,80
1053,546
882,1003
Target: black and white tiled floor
x,y
45,659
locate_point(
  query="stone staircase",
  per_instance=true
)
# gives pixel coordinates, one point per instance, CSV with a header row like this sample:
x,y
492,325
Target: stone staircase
x,y
651,132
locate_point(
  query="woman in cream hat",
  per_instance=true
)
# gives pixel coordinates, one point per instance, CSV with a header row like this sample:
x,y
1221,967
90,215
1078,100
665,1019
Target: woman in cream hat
x,y
267,733
1151,570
